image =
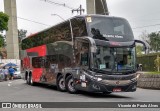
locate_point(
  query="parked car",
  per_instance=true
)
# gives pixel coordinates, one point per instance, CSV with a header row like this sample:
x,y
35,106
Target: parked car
x,y
17,74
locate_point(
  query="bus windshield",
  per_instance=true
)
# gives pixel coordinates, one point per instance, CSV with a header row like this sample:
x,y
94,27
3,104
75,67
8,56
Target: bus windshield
x,y
110,28
114,59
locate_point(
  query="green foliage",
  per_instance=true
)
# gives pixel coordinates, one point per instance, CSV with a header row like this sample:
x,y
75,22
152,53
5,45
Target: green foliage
x,y
155,41
2,42
3,26
152,73
147,61
3,21
21,34
157,62
139,50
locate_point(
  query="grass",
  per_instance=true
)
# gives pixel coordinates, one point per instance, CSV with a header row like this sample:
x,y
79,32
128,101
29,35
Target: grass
x,y
152,73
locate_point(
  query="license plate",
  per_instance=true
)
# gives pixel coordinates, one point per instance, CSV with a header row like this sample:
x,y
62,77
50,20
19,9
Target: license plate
x,y
117,90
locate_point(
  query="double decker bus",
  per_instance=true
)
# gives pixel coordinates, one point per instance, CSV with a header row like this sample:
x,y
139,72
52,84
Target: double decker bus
x,y
94,53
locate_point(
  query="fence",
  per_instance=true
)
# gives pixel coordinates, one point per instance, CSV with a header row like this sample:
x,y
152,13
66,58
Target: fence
x,y
147,61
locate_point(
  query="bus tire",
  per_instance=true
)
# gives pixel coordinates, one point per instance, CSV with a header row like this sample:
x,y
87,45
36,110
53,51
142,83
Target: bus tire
x,y
31,81
61,84
27,79
69,83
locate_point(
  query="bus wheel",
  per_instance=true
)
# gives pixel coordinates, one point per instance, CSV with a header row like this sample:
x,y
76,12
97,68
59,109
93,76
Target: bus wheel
x,y
69,83
27,81
61,84
31,81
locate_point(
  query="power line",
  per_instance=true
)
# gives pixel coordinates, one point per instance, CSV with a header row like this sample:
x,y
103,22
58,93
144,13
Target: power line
x,y
50,25
60,4
146,26
80,9
144,20
33,21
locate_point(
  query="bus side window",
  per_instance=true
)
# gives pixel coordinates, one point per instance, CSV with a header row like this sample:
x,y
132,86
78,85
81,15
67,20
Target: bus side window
x,y
84,54
79,27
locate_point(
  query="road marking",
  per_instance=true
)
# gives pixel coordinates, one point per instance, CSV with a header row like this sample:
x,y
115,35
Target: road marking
x,y
9,83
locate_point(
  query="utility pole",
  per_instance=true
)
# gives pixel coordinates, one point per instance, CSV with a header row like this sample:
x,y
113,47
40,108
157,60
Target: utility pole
x,y
97,7
80,9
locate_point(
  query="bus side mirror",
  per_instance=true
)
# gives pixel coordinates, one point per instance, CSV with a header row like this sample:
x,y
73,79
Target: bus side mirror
x,y
145,45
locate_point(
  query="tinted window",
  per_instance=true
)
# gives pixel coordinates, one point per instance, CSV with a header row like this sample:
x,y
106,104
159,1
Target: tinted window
x,y
51,59
79,27
116,29
44,62
56,33
64,61
85,54
37,62
82,53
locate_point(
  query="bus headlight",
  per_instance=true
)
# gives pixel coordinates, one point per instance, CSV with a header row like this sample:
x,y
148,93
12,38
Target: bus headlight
x,y
92,77
97,78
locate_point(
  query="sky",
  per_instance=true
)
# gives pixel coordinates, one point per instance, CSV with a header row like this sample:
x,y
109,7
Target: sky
x,y
143,15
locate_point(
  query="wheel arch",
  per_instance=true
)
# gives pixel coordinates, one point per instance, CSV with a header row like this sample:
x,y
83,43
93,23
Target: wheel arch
x,y
66,75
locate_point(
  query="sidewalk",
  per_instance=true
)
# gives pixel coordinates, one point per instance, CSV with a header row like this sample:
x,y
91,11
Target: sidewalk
x,y
141,72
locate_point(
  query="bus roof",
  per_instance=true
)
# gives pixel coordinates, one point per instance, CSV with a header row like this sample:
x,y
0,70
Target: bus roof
x,y
83,16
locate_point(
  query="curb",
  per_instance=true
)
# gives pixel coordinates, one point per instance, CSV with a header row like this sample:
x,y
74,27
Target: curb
x,y
149,81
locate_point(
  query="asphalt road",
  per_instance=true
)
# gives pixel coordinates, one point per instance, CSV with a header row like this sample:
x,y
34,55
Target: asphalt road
x,y
19,91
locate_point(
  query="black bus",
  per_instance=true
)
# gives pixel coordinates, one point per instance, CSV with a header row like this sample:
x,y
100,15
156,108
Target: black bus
x,y
94,53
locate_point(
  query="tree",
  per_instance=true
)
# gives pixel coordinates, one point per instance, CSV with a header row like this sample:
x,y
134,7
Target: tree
x,y
154,38
21,34
3,26
2,41
3,21
157,63
144,36
139,49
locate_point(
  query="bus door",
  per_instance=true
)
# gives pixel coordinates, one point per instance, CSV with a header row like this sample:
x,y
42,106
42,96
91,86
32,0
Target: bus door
x,y
82,53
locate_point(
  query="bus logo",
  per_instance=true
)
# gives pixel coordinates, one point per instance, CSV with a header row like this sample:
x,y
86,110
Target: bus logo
x,y
117,82
6,105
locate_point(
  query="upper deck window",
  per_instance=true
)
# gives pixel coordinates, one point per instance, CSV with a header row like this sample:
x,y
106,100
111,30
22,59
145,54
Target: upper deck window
x,y
79,27
60,32
114,29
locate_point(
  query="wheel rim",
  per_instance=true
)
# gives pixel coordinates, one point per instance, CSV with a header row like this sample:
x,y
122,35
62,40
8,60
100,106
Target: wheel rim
x,y
71,85
61,84
31,80
27,79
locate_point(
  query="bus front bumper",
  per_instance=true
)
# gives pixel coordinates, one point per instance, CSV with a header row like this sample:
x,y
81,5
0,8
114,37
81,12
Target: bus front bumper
x,y
107,86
